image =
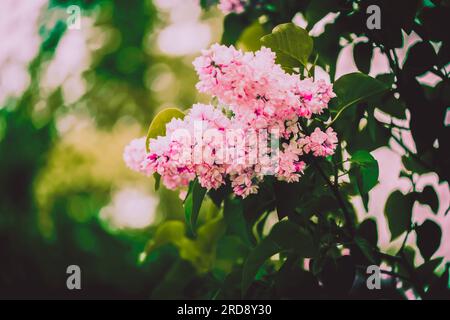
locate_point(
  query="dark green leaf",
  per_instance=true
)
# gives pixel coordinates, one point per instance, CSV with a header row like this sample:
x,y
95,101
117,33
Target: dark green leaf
x,y
409,255
432,20
362,54
233,26
428,196
206,4
367,249
174,281
387,78
428,238
193,203
355,88
398,212
392,106
316,10
284,236
230,251
426,272
420,58
440,289
411,164
287,196
294,283
219,195
233,214
368,230
338,275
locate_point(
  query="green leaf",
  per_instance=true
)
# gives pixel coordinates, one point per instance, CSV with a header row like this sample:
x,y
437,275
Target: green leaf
x,y
440,289
392,106
290,40
199,251
168,232
193,203
233,26
362,54
317,10
219,195
409,255
230,251
209,234
387,78
158,125
362,158
338,275
250,38
428,196
355,88
420,58
411,164
367,249
398,212
364,170
284,236
157,178
287,196
426,272
432,19
175,279
366,240
233,214
428,238
368,230
206,4
291,282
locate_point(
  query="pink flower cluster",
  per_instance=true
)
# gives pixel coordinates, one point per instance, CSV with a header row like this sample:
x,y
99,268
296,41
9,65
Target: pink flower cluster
x,y
235,6
257,89
257,132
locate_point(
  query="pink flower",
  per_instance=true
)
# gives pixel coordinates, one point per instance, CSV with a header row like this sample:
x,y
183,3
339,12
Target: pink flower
x,y
320,143
228,6
134,154
261,101
244,184
257,89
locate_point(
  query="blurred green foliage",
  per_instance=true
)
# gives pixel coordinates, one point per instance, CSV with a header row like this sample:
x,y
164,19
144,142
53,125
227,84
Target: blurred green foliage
x,y
55,184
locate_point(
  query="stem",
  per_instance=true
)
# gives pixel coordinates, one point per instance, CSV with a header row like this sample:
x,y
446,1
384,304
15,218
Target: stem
x,y
402,248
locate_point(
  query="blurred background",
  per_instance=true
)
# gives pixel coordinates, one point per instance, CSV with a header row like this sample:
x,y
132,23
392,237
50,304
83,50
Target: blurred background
x,y
73,93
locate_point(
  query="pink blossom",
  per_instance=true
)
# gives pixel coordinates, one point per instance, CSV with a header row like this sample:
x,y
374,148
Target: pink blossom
x,y
134,154
216,146
228,6
257,89
320,143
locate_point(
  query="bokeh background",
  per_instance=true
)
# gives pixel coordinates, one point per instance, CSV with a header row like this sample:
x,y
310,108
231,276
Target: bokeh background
x,y
71,99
